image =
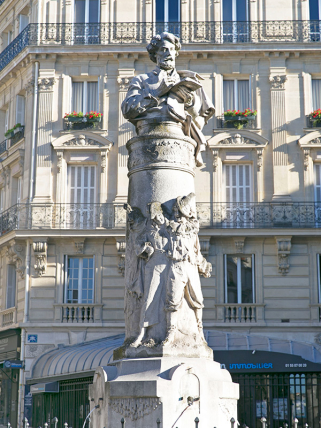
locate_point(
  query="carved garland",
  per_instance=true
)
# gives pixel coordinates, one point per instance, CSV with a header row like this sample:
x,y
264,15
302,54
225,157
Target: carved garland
x,y
46,83
123,82
283,248
278,82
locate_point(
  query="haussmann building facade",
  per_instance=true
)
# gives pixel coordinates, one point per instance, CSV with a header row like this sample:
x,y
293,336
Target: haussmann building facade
x,y
63,183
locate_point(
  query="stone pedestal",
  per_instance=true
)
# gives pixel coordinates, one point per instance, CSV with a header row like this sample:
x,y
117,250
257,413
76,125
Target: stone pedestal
x,y
156,393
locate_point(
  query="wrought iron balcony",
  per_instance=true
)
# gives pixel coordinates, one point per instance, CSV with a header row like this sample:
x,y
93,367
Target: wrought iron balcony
x,y
4,146
141,33
210,215
62,216
260,215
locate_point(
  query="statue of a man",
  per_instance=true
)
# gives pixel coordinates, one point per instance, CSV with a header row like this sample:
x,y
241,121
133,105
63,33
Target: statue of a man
x,y
166,94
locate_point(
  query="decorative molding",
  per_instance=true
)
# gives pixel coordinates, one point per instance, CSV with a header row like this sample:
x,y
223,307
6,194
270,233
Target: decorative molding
x,y
205,245
283,247
278,82
134,408
30,86
259,162
307,154
60,156
82,140
123,82
5,174
15,253
40,250
80,246
239,244
215,159
46,83
316,141
121,248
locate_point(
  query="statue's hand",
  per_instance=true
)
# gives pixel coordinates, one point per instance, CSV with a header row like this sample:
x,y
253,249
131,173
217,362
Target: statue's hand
x,y
205,269
185,94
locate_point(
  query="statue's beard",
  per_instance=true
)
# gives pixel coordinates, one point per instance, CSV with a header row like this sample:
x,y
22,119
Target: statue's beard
x,y
167,65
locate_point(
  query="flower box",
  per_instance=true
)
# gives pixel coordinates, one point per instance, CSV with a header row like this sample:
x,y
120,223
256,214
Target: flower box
x,y
75,119
9,134
19,129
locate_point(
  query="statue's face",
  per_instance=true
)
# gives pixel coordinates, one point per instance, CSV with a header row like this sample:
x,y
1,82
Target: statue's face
x,y
166,55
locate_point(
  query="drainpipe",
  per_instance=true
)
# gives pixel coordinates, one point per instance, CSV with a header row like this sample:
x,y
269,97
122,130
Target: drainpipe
x,y
34,134
21,392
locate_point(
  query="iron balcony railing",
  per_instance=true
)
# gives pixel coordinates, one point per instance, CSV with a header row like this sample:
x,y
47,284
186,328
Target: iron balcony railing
x,y
141,32
210,215
4,145
82,123
236,122
18,134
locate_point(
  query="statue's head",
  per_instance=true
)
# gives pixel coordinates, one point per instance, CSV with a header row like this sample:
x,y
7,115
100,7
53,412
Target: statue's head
x,y
163,49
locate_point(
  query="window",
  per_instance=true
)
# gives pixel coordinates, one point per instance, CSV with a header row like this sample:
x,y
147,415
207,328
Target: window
x,y
314,9
316,94
16,190
236,95
1,199
11,287
167,10
23,22
239,279
238,183
317,182
84,96
235,17
20,109
79,280
87,11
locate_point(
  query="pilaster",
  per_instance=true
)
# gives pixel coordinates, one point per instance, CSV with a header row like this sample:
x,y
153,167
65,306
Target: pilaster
x,y
125,133
44,136
279,141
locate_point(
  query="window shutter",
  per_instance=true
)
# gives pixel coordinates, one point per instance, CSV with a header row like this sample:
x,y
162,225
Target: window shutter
x,y
20,109
11,286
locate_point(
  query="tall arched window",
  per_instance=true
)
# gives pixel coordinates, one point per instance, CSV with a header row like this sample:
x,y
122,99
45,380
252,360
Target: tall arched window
x,y
167,10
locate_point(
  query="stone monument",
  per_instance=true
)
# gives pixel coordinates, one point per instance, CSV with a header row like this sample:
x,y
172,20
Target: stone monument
x,y
164,373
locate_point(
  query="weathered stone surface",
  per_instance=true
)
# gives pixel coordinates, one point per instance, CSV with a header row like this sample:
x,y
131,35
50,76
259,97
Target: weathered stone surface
x,y
143,391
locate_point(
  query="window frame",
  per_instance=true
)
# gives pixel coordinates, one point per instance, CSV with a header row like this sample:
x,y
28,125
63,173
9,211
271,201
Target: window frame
x,y
85,94
235,95
22,113
66,283
87,3
239,281
166,12
234,10
238,164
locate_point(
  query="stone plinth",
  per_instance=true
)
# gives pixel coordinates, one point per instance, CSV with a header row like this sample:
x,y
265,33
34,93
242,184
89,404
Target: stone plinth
x,y
158,390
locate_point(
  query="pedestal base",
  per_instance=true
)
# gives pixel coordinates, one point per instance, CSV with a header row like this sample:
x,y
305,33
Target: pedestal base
x,y
156,392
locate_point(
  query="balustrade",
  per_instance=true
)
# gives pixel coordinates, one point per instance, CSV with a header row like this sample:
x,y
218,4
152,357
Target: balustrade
x,y
8,317
78,313
240,312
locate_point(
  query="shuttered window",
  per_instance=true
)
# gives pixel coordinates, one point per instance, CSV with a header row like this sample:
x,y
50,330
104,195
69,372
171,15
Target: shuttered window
x,y
20,109
238,183
11,286
81,181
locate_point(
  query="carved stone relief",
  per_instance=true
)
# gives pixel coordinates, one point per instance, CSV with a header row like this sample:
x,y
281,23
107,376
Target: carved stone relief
x,y
238,140
239,244
134,408
40,250
46,83
307,153
80,245
123,82
215,159
278,82
82,140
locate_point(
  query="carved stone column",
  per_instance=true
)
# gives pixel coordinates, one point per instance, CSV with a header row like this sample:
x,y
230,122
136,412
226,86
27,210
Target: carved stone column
x,y
44,136
125,133
40,252
283,247
279,140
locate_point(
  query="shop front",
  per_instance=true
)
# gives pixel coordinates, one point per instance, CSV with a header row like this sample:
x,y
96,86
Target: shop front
x,y
277,386
9,376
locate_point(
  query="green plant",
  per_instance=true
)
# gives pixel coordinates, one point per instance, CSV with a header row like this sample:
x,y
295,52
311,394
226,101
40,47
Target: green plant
x,y
7,133
237,113
74,114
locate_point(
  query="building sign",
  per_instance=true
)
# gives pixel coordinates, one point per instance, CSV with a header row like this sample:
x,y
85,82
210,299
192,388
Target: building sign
x,y
32,338
263,361
12,364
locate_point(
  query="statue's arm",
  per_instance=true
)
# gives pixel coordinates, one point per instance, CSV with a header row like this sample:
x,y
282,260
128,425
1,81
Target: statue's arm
x,y
138,100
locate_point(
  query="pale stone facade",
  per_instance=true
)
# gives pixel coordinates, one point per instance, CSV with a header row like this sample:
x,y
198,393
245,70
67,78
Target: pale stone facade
x,y
277,162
